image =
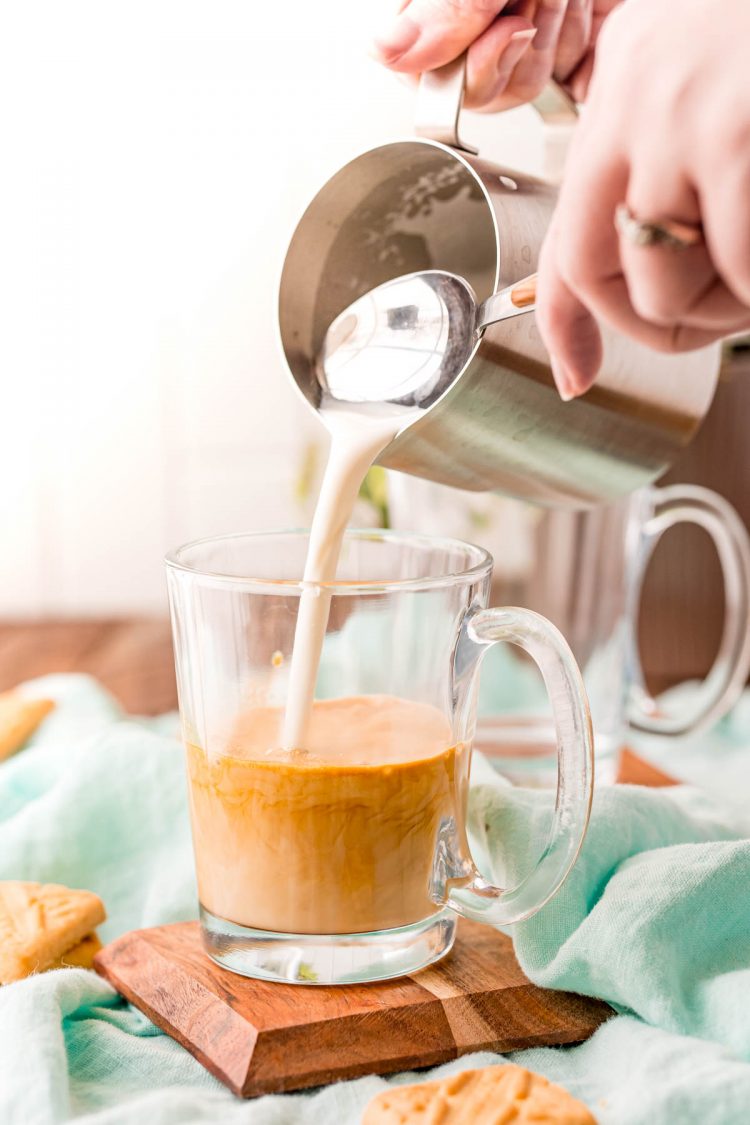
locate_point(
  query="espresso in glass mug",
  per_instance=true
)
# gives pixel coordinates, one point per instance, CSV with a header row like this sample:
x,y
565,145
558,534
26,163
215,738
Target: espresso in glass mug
x,y
346,858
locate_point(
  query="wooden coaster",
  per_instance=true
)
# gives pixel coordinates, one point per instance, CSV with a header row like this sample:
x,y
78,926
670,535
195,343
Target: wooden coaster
x,y
262,1038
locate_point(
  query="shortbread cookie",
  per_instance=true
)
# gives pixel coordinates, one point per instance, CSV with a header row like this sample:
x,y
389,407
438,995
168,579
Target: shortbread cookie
x,y
41,922
495,1095
19,718
81,956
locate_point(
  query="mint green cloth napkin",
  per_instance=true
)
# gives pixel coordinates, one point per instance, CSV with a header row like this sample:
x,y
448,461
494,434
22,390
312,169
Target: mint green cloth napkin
x,y
655,918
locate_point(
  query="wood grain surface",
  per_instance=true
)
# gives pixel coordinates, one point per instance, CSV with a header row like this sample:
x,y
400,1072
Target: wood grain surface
x,y
131,657
632,770
682,606
259,1037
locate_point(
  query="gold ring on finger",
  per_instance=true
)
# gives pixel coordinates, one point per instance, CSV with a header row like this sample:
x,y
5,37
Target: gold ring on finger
x,y
666,232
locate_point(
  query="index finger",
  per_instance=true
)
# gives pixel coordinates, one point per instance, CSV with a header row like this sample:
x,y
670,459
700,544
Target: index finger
x,y
534,70
574,38
569,331
429,33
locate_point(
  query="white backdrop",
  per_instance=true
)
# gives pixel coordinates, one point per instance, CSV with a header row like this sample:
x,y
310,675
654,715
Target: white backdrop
x,y
155,158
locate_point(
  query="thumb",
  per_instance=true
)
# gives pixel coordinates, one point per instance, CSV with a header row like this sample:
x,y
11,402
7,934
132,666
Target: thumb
x,y
428,33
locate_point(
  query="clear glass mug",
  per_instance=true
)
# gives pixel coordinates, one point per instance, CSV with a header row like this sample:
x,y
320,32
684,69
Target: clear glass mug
x,y
347,860
584,571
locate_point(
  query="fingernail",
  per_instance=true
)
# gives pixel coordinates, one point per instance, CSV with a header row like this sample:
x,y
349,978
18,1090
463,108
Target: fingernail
x,y
523,36
549,19
518,45
565,384
400,37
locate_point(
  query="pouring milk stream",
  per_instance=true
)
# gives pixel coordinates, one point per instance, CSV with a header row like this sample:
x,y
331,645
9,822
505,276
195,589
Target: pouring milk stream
x,y
357,437
383,358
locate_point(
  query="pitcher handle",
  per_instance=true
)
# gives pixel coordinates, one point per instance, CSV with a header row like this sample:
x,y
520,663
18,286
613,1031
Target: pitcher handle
x,y
440,97
688,503
472,896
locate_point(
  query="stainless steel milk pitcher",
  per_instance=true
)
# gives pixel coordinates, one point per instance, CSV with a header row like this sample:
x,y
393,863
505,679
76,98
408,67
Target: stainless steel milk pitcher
x,y
432,203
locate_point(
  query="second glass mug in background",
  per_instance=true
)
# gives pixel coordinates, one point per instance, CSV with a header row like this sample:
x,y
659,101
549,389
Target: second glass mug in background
x,y
331,864
584,571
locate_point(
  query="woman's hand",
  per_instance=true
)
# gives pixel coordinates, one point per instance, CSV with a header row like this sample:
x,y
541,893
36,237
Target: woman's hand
x,y
513,46
666,130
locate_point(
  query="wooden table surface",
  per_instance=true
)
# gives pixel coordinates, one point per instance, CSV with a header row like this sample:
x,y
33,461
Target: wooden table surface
x,y
682,605
132,658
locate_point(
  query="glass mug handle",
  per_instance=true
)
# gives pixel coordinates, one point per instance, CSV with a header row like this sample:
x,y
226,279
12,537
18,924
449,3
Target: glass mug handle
x,y
472,896
687,503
